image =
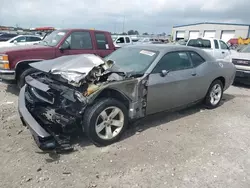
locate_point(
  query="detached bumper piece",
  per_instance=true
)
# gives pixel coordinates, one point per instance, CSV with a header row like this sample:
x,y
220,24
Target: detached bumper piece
x,y
44,138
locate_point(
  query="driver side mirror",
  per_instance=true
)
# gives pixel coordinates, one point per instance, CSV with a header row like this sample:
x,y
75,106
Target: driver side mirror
x,y
164,73
15,42
64,46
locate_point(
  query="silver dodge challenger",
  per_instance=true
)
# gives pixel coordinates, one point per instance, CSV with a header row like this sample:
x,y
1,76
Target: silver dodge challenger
x,y
102,96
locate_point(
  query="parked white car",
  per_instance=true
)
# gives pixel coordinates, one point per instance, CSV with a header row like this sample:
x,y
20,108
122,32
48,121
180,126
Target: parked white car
x,y
216,47
122,40
21,40
241,60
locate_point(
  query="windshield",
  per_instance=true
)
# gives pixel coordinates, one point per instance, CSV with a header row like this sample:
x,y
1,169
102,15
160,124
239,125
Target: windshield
x,y
113,38
246,49
132,60
200,43
54,38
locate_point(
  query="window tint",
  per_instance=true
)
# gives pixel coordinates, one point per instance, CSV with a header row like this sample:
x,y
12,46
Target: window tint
x,y
173,61
196,59
32,39
19,39
216,44
101,41
223,45
127,40
80,40
200,43
120,40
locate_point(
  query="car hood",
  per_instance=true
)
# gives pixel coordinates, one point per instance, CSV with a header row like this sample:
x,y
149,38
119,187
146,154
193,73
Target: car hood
x,y
74,68
22,48
239,55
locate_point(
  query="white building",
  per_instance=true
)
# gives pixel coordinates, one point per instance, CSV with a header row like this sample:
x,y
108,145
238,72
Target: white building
x,y
224,31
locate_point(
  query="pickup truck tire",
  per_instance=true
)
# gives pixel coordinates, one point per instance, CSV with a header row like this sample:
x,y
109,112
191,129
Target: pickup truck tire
x,y
102,126
21,77
214,94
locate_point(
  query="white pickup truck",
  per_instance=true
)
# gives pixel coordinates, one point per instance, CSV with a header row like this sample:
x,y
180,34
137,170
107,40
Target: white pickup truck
x,y
216,47
122,40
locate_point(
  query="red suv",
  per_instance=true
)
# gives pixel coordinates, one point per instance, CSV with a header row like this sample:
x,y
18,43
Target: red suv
x,y
14,61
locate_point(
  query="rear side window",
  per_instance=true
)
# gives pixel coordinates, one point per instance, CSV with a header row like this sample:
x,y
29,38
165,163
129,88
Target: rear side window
x,y
32,39
127,40
196,59
80,40
102,43
200,43
216,44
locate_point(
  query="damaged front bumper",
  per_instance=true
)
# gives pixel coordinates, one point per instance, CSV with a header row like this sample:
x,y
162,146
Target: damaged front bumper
x,y
44,140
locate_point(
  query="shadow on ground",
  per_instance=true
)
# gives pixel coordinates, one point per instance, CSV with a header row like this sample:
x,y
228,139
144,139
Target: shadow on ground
x,y
166,117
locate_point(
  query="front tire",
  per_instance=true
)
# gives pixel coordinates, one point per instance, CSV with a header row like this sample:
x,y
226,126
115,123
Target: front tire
x,y
105,121
214,95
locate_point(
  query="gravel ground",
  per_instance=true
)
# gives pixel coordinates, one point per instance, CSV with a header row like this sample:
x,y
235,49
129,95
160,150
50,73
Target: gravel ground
x,y
193,148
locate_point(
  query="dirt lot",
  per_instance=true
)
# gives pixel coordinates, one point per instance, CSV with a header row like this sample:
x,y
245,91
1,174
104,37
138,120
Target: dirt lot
x,y
192,148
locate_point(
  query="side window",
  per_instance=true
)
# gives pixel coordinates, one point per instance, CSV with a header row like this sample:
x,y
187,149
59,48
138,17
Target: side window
x,y
19,39
79,40
216,44
127,40
32,39
101,41
196,59
173,61
223,45
120,40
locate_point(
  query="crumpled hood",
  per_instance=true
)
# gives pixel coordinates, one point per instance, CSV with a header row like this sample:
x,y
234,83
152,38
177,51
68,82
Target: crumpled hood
x,y
73,68
71,63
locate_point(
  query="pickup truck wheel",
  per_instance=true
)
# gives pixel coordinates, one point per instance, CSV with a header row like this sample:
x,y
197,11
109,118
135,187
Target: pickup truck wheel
x,y
21,77
105,121
214,94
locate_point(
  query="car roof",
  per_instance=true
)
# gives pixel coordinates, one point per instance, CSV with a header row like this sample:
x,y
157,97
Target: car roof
x,y
162,47
76,29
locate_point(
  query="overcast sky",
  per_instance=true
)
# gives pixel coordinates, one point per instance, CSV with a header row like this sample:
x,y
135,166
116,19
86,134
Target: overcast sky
x,y
152,16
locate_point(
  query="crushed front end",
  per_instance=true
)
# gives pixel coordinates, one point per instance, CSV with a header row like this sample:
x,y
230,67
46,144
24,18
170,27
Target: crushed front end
x,y
51,110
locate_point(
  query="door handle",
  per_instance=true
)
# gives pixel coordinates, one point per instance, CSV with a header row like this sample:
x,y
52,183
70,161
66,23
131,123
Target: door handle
x,y
223,52
193,74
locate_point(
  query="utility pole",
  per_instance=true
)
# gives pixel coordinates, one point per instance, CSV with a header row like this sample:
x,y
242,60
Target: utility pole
x,y
123,24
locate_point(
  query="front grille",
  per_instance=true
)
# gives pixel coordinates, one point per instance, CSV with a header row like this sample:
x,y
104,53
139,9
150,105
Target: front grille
x,y
243,62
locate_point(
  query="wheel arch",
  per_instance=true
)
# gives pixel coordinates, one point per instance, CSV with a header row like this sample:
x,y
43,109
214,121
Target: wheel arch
x,y
23,65
222,79
114,93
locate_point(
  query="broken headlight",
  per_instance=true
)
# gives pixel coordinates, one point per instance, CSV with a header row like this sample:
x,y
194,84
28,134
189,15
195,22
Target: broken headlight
x,y
80,97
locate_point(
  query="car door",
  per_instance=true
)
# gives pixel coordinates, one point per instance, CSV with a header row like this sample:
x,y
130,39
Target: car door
x,y
202,80
225,51
101,44
120,41
78,42
170,83
217,51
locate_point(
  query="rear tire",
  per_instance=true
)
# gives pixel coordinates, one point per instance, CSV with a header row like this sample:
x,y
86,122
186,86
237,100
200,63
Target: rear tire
x,y
21,77
98,122
214,95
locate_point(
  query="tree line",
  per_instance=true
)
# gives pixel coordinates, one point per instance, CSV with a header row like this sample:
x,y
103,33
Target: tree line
x,y
135,32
